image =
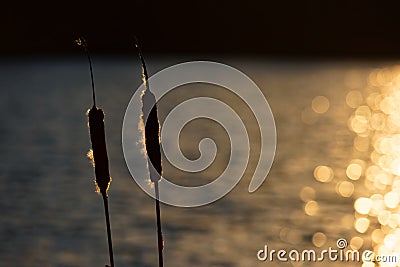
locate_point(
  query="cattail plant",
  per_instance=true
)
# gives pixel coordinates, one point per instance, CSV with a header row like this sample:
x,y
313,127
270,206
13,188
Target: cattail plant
x,y
98,153
151,124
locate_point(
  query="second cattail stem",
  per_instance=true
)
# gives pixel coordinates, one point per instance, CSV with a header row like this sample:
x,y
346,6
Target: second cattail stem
x,y
152,143
160,239
153,149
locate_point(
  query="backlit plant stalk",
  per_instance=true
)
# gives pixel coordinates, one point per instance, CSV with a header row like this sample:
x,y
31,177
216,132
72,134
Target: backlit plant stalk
x,y
152,145
98,154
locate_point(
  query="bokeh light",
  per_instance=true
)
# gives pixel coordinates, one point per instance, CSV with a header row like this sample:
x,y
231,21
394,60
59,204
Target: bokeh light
x,y
363,205
361,143
307,194
345,189
391,200
354,171
323,174
376,125
356,242
311,208
361,225
319,239
354,98
320,104
377,236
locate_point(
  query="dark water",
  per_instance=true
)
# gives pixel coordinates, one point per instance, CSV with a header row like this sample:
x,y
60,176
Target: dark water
x,y
51,216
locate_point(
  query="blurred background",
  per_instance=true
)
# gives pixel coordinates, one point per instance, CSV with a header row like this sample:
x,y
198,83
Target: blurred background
x,y
328,69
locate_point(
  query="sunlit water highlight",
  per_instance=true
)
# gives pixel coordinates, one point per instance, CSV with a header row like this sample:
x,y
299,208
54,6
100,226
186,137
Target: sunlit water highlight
x,y
335,174
376,123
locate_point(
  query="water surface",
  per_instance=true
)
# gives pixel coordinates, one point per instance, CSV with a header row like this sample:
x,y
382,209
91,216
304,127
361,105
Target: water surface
x,y
51,215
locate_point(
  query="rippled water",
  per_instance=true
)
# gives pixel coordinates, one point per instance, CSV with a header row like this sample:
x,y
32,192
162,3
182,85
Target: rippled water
x,y
51,215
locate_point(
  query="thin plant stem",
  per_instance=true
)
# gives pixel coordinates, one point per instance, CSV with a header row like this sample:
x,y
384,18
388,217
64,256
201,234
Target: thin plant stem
x,y
81,41
150,119
110,248
160,239
99,150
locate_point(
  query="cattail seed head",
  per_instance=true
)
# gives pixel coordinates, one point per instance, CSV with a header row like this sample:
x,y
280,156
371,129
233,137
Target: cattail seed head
x,y
149,119
151,134
100,158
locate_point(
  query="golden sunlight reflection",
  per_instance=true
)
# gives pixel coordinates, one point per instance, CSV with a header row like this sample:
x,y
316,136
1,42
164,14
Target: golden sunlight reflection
x,y
361,225
361,143
311,208
319,239
376,124
354,170
391,200
345,189
384,217
370,179
320,104
354,98
307,194
377,236
363,205
323,174
356,242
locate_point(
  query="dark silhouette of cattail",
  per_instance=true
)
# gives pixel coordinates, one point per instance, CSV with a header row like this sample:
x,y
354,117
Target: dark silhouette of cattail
x,y
151,134
100,158
98,154
152,145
